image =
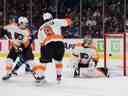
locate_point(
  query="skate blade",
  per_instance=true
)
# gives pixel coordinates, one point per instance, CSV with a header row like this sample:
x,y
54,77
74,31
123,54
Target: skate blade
x,y
39,83
6,77
59,81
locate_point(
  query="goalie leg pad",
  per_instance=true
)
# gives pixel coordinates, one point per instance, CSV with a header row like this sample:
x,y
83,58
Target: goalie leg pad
x,y
104,71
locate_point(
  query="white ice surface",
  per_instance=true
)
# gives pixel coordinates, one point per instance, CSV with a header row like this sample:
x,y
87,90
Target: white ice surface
x,y
24,85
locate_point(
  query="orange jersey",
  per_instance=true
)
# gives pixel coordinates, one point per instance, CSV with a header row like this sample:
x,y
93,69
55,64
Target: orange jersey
x,y
50,35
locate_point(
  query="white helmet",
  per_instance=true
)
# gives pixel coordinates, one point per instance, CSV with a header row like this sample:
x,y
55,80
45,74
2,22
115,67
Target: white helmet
x,y
47,16
23,20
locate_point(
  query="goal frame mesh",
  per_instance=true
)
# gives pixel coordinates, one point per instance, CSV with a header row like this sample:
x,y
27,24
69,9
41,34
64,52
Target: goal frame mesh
x,y
116,35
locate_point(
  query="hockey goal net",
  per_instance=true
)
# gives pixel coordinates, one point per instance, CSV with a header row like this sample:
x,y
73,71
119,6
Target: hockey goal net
x,y
115,53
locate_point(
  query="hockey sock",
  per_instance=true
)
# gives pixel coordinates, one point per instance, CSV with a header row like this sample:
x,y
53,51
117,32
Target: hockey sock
x,y
18,65
27,68
59,68
8,68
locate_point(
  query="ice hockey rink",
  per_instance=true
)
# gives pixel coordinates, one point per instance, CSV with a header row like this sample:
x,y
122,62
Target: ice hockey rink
x,y
23,85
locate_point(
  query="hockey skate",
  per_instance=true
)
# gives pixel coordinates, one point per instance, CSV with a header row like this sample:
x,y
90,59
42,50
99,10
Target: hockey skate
x,y
76,73
27,69
59,78
38,79
8,76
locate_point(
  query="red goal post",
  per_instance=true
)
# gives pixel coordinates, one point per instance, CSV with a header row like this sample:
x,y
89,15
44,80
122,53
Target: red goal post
x,y
118,36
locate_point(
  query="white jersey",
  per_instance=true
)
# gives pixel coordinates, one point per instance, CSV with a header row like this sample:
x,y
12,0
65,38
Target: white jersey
x,y
55,24
85,54
18,35
13,29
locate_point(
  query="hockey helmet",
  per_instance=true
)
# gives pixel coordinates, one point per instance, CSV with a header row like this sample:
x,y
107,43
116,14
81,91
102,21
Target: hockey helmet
x,y
23,20
47,16
87,41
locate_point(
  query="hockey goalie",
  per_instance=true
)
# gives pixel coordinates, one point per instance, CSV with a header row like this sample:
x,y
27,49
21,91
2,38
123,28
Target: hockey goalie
x,y
86,60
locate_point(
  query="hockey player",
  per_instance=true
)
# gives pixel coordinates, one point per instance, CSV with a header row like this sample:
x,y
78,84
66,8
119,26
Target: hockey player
x,y
9,31
21,47
87,58
52,46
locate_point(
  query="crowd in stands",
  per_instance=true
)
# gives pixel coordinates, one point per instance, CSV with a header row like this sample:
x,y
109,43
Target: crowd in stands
x,y
89,17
